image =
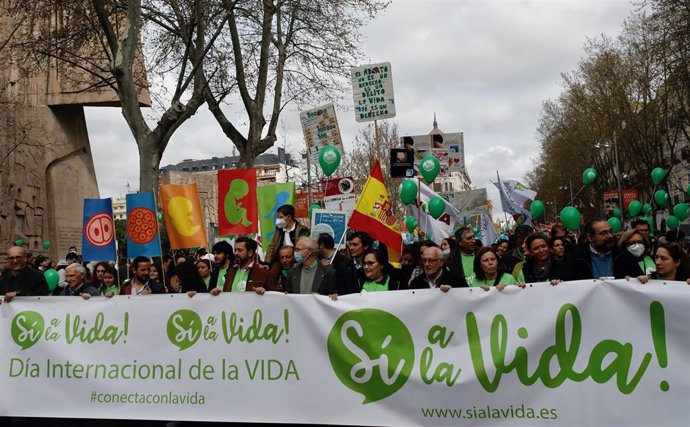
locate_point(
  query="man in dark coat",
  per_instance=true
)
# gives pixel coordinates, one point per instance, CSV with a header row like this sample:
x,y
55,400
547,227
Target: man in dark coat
x,y
599,257
21,279
436,275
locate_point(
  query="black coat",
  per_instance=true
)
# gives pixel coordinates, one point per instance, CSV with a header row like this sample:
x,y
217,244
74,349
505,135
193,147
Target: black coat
x,y
553,271
350,278
29,282
578,265
447,278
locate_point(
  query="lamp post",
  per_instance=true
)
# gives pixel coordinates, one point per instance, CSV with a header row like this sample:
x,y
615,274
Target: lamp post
x,y
618,172
569,187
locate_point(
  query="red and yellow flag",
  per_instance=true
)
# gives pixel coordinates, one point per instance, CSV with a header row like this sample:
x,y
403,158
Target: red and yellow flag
x,y
373,214
183,217
237,204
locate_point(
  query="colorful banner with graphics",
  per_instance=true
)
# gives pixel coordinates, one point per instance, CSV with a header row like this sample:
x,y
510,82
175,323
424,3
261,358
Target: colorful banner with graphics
x,y
142,226
98,238
270,198
237,206
578,354
184,220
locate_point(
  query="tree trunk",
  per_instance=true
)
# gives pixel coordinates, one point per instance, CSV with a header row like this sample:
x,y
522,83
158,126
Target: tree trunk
x,y
149,163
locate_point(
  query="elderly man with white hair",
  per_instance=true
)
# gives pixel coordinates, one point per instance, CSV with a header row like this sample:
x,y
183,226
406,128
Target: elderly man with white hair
x,y
436,275
77,284
309,276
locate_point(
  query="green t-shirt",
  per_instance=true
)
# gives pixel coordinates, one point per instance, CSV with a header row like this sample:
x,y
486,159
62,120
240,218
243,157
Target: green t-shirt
x,y
371,286
115,290
240,282
506,279
647,265
220,283
467,266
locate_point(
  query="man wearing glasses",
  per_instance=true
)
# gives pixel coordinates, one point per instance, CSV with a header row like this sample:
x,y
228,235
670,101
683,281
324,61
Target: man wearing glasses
x,y
599,257
21,279
436,275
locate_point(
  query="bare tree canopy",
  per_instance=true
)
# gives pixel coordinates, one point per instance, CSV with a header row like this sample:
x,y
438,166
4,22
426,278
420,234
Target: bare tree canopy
x,y
277,52
634,90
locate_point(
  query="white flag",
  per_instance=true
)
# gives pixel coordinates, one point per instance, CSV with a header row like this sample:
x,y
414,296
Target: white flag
x,y
487,231
435,229
508,202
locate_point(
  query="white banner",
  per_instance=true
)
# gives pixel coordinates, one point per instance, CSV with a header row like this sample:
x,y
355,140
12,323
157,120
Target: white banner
x,y
578,354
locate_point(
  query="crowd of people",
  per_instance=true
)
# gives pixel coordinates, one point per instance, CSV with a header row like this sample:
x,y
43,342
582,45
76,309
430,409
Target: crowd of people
x,y
296,263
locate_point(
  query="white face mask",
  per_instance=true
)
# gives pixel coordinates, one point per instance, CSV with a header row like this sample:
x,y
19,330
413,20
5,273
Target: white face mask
x,y
445,252
280,223
636,249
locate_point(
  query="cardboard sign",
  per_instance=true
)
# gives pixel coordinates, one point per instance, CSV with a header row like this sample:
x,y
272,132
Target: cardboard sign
x,y
372,91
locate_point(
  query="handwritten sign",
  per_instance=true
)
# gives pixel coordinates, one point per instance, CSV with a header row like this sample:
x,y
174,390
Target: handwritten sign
x,y
372,90
320,127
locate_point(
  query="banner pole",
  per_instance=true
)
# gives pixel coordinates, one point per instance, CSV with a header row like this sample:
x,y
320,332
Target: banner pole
x,y
376,138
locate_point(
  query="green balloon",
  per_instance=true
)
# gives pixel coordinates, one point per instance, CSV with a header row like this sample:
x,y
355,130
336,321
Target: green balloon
x,y
647,208
19,242
617,212
672,222
680,211
687,190
570,217
429,167
475,229
159,216
329,159
589,176
634,208
436,207
408,191
46,244
658,175
660,197
52,278
615,224
425,207
411,223
312,207
536,208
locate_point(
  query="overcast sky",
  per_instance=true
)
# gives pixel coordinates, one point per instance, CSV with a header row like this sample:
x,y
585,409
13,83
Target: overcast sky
x,y
484,67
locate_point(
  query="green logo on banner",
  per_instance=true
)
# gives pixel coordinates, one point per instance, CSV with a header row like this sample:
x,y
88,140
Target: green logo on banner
x,y
184,328
371,352
27,328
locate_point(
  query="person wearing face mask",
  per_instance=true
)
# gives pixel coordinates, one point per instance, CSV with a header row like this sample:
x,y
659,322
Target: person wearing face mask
x,y
288,231
634,242
598,256
309,276
448,245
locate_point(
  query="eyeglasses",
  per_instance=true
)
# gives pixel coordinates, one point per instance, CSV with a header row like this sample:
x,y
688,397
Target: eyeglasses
x,y
430,260
370,263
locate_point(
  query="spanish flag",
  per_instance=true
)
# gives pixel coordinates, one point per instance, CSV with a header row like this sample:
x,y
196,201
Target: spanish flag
x,y
373,214
183,217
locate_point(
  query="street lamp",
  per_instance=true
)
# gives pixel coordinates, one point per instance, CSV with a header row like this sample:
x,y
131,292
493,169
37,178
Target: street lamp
x,y
568,187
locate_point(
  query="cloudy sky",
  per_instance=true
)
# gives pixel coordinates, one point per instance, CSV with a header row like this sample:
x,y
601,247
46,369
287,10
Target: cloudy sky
x,y
483,66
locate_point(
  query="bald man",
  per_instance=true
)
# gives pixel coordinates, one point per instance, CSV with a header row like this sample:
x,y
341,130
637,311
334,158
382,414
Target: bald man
x,y
21,279
436,275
